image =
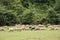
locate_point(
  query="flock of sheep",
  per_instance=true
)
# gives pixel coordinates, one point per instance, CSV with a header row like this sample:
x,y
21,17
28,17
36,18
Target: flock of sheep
x,y
19,27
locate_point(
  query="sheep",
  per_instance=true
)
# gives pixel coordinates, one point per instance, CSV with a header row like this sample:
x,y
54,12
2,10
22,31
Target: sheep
x,y
27,25
56,25
23,27
55,28
27,28
41,25
37,28
50,28
18,25
18,29
11,29
42,28
1,29
14,29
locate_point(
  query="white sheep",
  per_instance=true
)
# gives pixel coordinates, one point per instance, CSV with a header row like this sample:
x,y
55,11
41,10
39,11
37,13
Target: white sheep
x,y
1,29
11,29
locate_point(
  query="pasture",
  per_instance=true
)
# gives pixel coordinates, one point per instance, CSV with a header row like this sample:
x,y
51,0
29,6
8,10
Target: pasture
x,y
31,35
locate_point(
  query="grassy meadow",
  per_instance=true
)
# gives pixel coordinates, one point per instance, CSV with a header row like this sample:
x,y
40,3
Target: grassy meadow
x,y
31,35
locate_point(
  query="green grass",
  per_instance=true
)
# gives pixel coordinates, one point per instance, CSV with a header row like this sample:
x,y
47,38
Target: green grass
x,y
31,35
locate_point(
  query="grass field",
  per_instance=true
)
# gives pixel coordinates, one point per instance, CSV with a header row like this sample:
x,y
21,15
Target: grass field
x,y
31,35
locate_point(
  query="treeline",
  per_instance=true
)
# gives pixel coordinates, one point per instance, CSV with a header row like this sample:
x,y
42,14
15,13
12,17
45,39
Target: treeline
x,y
29,12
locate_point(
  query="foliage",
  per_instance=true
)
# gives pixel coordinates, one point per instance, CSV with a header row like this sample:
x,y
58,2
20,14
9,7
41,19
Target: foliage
x,y
29,11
